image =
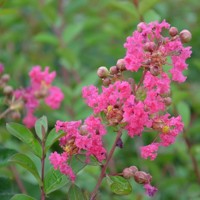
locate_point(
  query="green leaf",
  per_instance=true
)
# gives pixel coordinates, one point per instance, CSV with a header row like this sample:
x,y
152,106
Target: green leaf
x,y
146,5
71,32
46,38
5,154
22,197
52,137
8,11
150,16
120,185
27,163
5,188
54,180
26,136
41,122
184,110
75,193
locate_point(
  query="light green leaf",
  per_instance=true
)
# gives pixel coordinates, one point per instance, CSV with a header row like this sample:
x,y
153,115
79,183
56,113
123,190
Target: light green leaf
x,y
75,193
26,136
54,180
5,154
184,110
41,122
27,163
71,32
146,5
150,16
22,197
120,185
46,38
52,137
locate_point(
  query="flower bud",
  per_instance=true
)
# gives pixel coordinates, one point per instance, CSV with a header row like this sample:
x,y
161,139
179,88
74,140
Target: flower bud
x,y
113,70
127,173
83,130
114,115
157,124
142,177
102,72
154,70
5,78
149,46
173,31
15,115
185,36
139,26
134,169
8,90
106,81
121,65
167,101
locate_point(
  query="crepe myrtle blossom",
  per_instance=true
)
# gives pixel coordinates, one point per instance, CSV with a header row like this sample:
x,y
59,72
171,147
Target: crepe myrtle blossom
x,y
128,105
80,138
40,89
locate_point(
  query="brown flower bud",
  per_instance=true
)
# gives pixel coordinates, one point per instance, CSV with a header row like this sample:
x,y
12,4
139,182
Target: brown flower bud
x,y
102,72
155,70
113,70
185,36
173,31
167,101
5,78
142,177
83,130
134,169
127,173
106,81
149,46
15,115
121,65
139,26
8,90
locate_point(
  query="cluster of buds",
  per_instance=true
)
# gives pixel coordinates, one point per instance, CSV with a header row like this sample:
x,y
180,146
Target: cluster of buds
x,y
113,74
140,177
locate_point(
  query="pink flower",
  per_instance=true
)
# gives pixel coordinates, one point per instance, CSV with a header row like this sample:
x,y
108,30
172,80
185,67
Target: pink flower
x,y
150,151
54,97
29,120
150,190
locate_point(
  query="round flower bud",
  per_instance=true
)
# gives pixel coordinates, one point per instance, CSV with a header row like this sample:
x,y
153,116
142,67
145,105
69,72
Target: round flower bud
x,y
142,177
139,26
102,72
185,36
149,46
113,70
106,81
173,31
83,130
8,90
16,115
154,70
167,101
5,78
127,173
121,65
134,169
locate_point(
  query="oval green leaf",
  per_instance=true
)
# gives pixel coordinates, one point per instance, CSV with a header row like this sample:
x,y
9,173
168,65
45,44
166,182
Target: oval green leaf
x,y
75,193
54,180
22,197
41,122
26,163
120,185
5,154
26,136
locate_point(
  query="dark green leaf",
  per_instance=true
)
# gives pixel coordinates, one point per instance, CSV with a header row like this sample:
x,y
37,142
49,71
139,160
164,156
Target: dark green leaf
x,y
75,193
26,136
5,188
22,197
41,122
120,185
54,180
52,137
184,110
46,38
27,163
5,154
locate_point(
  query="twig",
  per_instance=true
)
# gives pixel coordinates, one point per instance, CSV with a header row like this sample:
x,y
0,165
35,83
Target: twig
x,y
102,175
3,114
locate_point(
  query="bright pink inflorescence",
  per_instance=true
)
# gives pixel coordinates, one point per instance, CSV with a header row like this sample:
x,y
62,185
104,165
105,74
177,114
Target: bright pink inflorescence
x,y
131,106
40,88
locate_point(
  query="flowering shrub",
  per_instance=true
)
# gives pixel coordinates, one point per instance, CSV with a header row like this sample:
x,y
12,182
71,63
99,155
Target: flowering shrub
x,y
130,106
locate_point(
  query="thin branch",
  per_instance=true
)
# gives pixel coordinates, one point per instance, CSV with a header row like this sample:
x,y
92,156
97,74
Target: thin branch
x,y
103,171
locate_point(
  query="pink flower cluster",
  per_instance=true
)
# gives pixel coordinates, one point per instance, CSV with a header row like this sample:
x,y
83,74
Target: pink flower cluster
x,y
40,88
80,138
147,46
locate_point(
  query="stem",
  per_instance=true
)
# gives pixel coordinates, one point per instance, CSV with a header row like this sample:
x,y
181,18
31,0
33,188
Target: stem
x,y
42,164
193,159
17,179
102,175
3,114
136,4
142,78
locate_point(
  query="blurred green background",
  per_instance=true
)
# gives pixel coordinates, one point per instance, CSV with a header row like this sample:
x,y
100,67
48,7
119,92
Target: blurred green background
x,y
75,37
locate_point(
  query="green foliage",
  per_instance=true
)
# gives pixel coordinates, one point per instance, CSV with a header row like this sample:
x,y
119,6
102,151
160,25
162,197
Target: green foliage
x,y
21,197
75,193
5,154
